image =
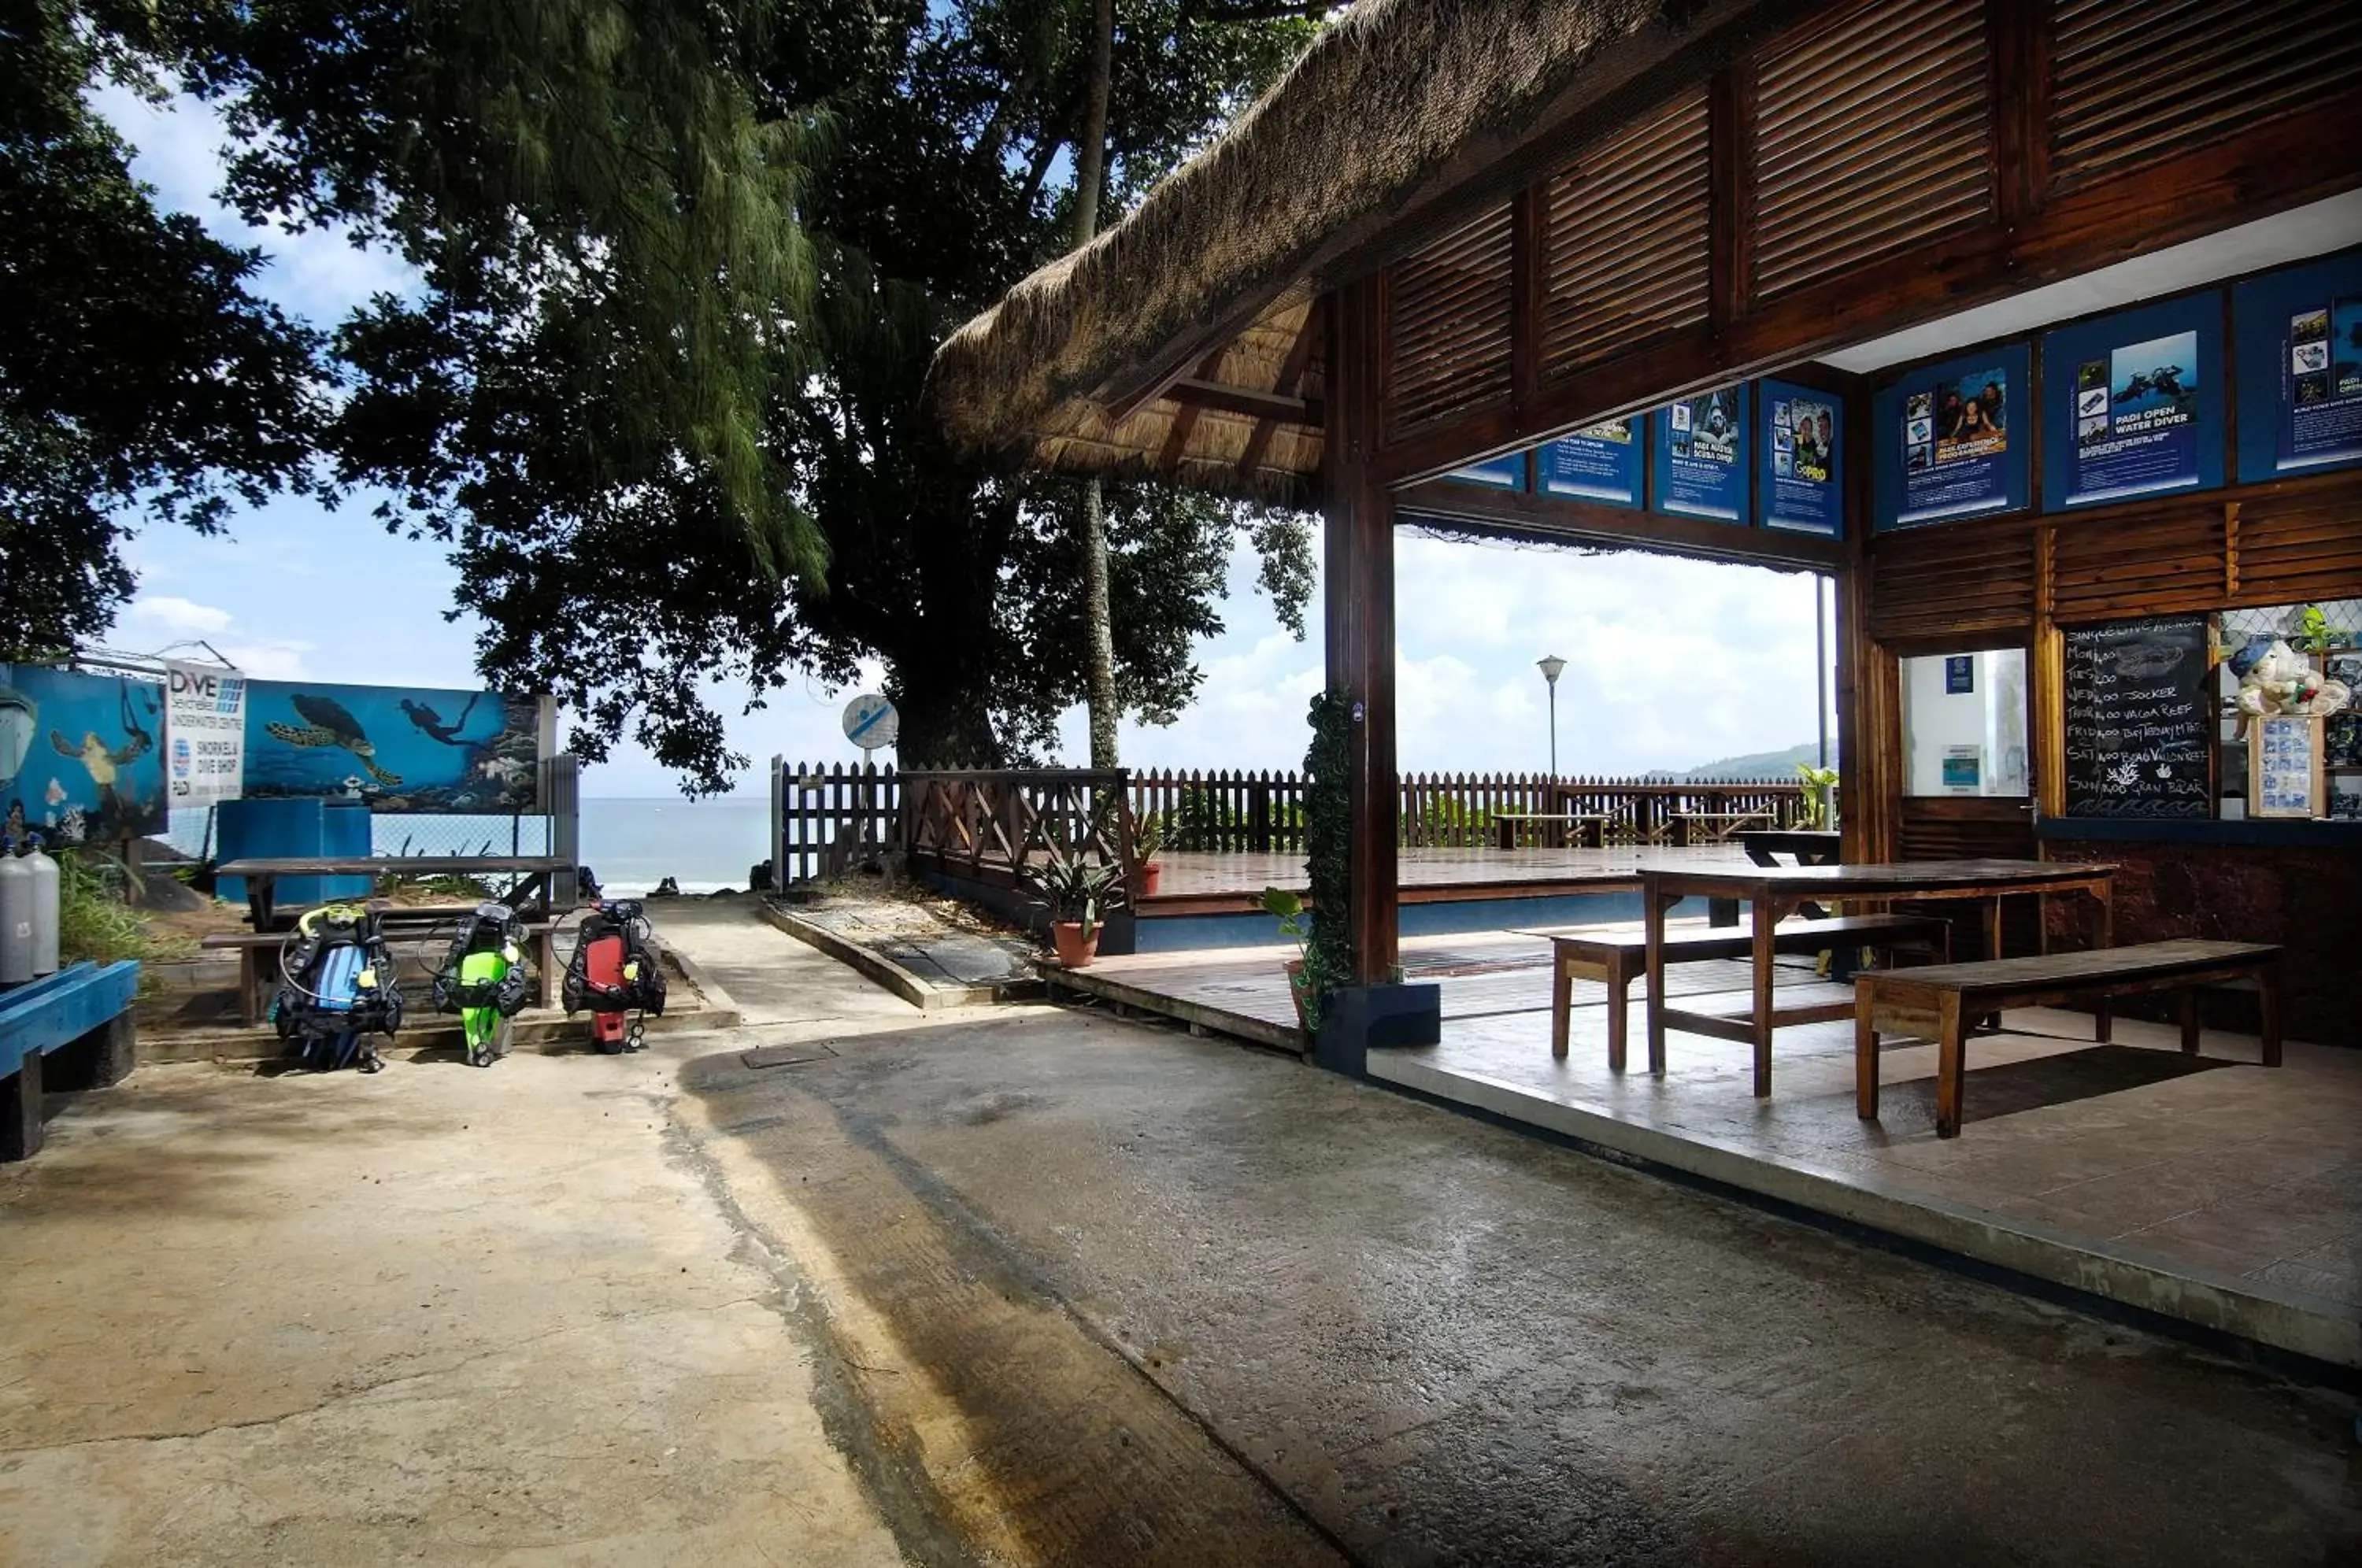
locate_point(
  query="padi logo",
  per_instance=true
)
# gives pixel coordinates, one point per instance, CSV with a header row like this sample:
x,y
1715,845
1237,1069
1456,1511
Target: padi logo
x,y
182,758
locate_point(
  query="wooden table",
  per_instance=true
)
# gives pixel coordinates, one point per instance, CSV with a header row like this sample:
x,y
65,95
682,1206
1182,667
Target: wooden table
x,y
1774,891
1592,825
1811,847
1718,825
531,873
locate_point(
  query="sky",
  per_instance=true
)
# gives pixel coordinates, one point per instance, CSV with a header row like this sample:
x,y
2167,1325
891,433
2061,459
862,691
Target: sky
x,y
1671,662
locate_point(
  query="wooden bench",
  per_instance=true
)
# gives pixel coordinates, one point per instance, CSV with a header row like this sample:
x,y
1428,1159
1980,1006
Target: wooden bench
x,y
1941,1001
1617,955
81,1017
257,953
1590,827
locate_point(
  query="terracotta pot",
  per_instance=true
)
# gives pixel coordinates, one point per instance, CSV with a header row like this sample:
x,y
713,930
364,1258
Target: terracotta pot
x,y
1295,992
1075,951
1149,876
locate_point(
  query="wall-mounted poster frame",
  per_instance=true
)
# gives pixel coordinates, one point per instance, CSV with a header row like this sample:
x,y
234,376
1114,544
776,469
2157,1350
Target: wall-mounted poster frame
x,y
2298,342
2285,777
1601,464
1800,459
1505,472
1698,455
1950,439
2131,404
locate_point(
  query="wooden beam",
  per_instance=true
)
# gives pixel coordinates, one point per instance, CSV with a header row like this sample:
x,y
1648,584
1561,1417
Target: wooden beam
x,y
1291,381
1730,197
1184,420
1191,392
2281,165
1557,518
1358,589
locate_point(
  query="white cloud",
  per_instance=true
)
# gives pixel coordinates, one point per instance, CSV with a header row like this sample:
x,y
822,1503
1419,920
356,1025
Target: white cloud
x,y
174,613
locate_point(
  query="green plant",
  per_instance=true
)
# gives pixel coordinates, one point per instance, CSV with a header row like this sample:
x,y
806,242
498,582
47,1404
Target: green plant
x,y
1147,837
1074,887
1328,841
1294,920
1820,784
93,923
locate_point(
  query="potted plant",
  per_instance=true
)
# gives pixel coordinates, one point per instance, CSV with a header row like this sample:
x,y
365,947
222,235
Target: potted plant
x,y
1147,839
1295,923
1820,795
1079,894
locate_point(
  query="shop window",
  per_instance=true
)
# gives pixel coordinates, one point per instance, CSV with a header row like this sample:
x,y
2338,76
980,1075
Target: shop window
x,y
1964,723
2328,633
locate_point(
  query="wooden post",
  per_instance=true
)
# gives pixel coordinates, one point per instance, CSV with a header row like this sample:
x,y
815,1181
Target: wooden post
x,y
1358,544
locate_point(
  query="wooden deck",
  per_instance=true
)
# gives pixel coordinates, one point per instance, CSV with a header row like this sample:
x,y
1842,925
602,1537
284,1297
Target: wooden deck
x,y
1231,883
2205,1187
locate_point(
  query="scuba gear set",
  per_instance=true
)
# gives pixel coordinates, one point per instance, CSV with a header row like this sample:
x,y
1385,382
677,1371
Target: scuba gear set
x,y
335,988
615,971
483,978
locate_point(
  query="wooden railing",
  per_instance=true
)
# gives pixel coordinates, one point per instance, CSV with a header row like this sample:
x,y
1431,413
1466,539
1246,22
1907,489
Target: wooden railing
x,y
975,820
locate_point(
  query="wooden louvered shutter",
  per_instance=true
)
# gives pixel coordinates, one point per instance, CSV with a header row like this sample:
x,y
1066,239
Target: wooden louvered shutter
x,y
2134,81
1447,309
2110,569
1947,582
1872,133
2293,549
1626,245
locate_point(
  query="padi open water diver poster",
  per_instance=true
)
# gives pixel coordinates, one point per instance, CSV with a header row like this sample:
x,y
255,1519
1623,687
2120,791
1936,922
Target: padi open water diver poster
x,y
80,755
398,748
1700,456
1600,463
2300,335
1797,485
2133,405
1946,442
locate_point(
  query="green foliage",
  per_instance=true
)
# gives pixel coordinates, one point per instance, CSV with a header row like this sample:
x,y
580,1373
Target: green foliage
x,y
1327,833
140,381
1075,887
1449,814
1147,837
93,923
1819,782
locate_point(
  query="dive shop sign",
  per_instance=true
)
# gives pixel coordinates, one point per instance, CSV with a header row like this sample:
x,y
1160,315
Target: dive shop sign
x,y
205,733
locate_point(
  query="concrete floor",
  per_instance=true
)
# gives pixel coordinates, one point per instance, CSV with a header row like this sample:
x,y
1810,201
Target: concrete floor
x,y
1032,1286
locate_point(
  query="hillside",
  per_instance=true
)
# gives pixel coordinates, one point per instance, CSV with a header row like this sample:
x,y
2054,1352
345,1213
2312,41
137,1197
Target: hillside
x,y
1760,764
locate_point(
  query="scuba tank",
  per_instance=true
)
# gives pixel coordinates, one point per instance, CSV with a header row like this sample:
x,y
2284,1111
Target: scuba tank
x,y
16,920
615,971
483,979
45,907
335,988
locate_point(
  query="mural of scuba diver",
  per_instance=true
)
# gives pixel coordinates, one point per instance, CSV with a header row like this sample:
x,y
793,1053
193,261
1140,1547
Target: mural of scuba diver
x,y
79,759
399,749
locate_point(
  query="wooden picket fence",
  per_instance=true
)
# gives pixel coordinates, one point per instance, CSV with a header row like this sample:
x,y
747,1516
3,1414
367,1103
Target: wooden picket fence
x,y
998,814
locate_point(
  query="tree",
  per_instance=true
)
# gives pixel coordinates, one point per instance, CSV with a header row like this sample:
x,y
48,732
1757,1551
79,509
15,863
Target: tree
x,y
140,379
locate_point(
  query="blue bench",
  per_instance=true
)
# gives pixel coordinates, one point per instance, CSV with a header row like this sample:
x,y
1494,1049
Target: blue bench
x,y
78,1021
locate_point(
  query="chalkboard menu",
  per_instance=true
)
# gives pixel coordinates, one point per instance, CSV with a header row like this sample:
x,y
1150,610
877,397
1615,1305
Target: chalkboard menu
x,y
2139,718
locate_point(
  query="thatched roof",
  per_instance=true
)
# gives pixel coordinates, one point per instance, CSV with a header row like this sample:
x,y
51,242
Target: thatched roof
x,y
1392,105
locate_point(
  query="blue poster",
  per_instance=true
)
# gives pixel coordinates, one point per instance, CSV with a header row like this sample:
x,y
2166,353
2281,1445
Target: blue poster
x,y
1700,454
1948,442
1959,675
398,748
1600,464
2299,368
1508,472
2133,405
1799,485
79,759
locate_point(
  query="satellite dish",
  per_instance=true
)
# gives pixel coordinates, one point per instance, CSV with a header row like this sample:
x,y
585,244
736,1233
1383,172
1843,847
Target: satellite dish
x,y
871,722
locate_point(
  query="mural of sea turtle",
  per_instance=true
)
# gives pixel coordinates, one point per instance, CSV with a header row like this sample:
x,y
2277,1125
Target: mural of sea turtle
x,y
330,725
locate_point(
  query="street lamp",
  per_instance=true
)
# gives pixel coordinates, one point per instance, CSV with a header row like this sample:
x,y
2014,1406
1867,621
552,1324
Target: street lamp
x,y
1550,668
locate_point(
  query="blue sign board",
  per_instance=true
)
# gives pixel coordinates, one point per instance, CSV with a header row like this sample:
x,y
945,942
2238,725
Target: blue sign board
x,y
1506,472
80,760
1947,441
1600,464
1799,482
397,748
1700,456
2299,335
2133,405
1959,674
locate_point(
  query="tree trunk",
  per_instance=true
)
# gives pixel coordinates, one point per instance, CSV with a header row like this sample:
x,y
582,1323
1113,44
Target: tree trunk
x,y
1090,174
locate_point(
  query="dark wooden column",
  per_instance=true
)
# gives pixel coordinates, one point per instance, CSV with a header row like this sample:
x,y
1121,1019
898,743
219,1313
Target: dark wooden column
x,y
1358,560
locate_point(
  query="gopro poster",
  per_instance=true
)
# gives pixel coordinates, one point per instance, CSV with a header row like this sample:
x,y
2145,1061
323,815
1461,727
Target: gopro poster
x,y
396,748
81,759
2133,405
1797,483
1601,464
1701,455
2300,343
1948,439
